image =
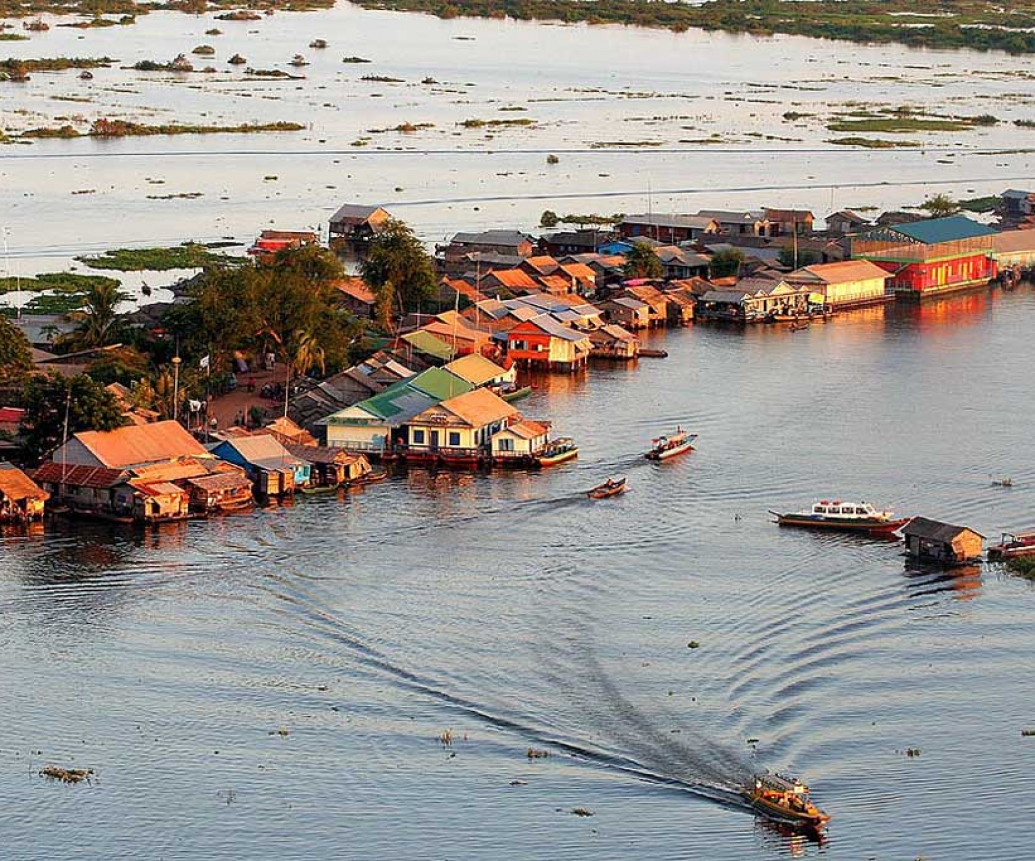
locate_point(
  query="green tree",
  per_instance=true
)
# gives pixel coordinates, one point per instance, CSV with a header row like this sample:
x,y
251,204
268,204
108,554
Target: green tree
x,y
940,206
316,264
549,219
125,365
726,263
642,262
804,257
15,353
308,353
398,270
48,399
97,319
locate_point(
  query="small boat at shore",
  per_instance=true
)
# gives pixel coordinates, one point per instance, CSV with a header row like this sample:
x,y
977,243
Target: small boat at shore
x,y
785,800
665,447
611,487
557,451
319,490
516,394
843,517
372,477
1012,545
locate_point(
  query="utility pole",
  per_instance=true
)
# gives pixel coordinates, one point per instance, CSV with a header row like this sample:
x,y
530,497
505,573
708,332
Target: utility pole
x,y
176,387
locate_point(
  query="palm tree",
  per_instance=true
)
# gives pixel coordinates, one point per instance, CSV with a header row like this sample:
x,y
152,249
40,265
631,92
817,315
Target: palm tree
x,y
642,262
308,353
98,316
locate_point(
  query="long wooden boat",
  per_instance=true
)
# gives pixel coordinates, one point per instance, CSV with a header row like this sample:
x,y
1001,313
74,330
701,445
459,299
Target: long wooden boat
x,y
843,517
611,487
665,447
1013,545
372,477
320,490
516,394
785,800
558,451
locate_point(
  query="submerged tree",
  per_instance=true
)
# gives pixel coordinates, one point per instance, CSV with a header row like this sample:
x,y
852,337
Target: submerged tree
x,y
642,262
940,206
398,270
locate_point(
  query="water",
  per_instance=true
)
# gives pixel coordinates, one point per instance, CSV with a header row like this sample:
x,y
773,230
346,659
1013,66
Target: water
x,y
516,613
583,86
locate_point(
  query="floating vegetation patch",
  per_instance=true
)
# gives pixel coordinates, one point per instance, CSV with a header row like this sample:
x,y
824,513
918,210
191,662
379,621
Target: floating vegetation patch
x,y
873,143
190,255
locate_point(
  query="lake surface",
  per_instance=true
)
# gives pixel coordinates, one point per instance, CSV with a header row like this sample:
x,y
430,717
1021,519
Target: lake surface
x,y
640,119
515,613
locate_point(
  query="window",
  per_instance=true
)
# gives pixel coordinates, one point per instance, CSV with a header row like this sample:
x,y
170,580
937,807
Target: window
x,y
820,509
506,444
418,437
454,438
518,345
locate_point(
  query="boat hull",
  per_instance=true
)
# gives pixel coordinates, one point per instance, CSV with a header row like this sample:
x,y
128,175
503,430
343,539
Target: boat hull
x,y
675,451
869,527
559,457
798,818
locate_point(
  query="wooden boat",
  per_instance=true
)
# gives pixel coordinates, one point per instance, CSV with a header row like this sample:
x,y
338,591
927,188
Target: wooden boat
x,y
516,394
785,800
372,477
799,325
669,446
557,451
1012,545
843,517
299,60
611,487
319,490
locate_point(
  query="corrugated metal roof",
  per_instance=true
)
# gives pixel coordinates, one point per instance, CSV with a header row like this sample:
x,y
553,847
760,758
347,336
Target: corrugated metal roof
x,y
934,530
836,273
479,407
933,230
140,444
476,369
353,212
220,481
425,342
16,485
440,383
80,476
262,449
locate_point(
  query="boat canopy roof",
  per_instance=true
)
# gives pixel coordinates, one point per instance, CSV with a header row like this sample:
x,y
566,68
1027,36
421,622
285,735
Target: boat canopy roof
x,y
782,784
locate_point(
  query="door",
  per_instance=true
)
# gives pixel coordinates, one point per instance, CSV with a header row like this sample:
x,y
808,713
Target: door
x,y
433,436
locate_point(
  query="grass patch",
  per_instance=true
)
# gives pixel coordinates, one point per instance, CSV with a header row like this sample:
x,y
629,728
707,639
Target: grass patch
x,y
980,204
899,125
60,282
1024,566
873,143
190,255
106,128
12,67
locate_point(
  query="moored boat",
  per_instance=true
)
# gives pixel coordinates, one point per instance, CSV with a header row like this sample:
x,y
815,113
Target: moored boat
x,y
557,451
516,394
319,490
611,487
784,799
844,517
1013,545
665,447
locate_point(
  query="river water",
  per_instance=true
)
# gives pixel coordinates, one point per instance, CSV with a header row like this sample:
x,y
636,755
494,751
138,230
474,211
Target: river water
x,y
276,684
639,119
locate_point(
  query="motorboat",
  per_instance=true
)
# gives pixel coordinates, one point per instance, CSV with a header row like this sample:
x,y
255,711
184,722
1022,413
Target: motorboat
x,y
611,487
665,447
784,799
844,517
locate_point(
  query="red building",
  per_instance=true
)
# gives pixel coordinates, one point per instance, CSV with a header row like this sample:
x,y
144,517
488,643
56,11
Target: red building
x,y
930,257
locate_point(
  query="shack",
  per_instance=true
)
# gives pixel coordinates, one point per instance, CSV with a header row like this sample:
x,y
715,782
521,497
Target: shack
x,y
331,466
21,499
933,541
274,471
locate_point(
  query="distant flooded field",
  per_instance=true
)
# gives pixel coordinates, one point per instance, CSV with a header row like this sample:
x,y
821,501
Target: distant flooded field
x,y
282,682
450,124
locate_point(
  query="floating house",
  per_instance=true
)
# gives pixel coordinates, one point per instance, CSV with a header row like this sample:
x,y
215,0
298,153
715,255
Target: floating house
x,y
457,431
932,541
519,443
629,312
613,342
272,241
369,426
657,301
331,467
357,224
21,499
930,257
788,222
274,470
846,284
752,223
668,228
756,300
481,372
845,222
507,242
544,342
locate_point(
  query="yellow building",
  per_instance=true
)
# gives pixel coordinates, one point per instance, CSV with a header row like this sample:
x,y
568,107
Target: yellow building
x,y
847,284
457,432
